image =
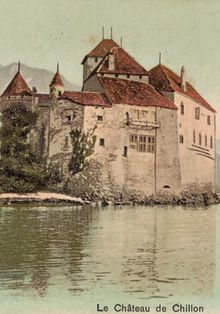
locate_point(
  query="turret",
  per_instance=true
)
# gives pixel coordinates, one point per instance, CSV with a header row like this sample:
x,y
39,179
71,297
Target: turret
x,y
56,85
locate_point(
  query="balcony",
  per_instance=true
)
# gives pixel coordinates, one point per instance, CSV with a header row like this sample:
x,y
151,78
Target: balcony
x,y
141,123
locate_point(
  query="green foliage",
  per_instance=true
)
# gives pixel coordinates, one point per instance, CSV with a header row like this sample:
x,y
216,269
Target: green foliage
x,y
20,170
83,146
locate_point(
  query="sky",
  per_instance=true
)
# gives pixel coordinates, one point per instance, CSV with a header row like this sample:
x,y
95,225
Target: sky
x,y
187,32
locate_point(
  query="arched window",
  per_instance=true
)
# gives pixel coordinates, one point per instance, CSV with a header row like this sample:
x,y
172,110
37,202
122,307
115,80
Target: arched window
x,y
211,142
194,136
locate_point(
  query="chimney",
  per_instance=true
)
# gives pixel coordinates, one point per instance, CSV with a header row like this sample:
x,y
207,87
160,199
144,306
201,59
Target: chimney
x,y
183,79
111,61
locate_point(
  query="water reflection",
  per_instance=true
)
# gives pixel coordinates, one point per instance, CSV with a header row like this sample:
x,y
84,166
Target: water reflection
x,y
147,252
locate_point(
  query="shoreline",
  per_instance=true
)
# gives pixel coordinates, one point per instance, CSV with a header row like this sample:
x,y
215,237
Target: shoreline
x,y
53,198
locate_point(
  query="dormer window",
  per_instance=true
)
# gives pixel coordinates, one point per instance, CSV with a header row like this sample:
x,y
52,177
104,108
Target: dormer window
x,y
59,93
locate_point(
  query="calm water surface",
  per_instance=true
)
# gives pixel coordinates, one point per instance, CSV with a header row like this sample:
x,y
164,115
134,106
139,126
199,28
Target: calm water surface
x,y
67,259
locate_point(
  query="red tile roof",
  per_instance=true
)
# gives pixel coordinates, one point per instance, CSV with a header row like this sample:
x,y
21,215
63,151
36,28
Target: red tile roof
x,y
101,49
121,91
123,63
87,98
43,98
164,79
17,86
57,80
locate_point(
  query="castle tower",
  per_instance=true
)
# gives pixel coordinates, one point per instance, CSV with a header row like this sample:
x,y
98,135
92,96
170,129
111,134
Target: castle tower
x,y
56,85
94,57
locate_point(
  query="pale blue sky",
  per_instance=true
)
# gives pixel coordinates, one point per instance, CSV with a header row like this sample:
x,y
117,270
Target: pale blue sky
x,y
187,32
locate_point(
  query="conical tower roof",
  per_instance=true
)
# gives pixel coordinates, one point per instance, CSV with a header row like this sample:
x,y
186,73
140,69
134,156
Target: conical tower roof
x,y
57,78
17,86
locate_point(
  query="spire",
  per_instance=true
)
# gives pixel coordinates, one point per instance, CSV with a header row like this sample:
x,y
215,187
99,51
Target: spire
x,y
183,79
17,86
19,66
159,57
57,78
121,41
111,32
103,32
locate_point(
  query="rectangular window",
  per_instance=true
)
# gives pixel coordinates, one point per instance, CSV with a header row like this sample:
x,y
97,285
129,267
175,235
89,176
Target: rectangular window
x,y
208,120
96,59
142,143
211,142
194,137
140,77
182,108
66,142
134,141
116,75
151,144
101,142
100,118
137,114
197,113
128,76
125,153
181,139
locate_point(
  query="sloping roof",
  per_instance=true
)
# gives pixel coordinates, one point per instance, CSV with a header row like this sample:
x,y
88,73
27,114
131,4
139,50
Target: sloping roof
x,y
101,49
43,98
17,86
87,98
164,79
57,80
123,63
122,91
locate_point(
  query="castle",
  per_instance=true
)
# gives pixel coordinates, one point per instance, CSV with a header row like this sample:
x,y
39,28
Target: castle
x,y
154,133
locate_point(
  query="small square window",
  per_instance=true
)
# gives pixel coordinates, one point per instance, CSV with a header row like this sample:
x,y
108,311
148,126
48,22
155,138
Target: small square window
x,y
116,75
128,76
68,118
140,77
101,142
100,118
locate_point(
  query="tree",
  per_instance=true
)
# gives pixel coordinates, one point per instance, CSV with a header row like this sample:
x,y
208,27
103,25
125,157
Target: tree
x,y
83,146
20,170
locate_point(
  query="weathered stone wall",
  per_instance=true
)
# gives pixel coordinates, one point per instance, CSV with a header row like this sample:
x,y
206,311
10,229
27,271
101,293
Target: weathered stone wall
x,y
168,176
63,117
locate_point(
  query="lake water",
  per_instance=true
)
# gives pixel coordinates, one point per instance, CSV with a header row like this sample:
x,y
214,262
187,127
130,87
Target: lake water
x,y
68,259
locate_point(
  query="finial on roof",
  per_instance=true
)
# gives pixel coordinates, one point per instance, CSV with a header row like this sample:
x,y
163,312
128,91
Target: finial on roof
x,y
159,57
103,32
19,66
111,32
58,67
121,41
